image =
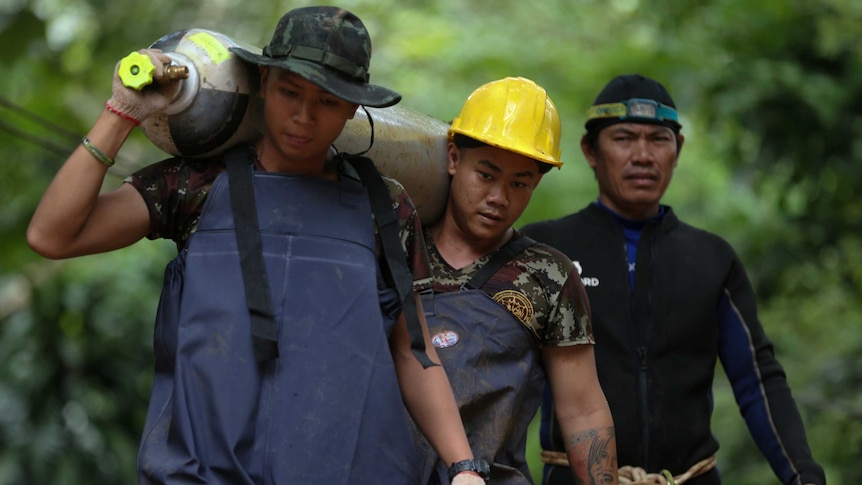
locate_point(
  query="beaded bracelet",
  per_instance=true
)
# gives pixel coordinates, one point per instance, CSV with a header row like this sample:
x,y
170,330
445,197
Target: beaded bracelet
x,y
121,114
96,153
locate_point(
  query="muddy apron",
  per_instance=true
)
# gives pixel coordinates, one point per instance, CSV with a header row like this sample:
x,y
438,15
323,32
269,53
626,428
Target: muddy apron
x,y
495,369
328,409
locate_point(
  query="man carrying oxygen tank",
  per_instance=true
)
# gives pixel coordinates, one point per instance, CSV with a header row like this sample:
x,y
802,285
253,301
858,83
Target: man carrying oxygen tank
x,y
282,354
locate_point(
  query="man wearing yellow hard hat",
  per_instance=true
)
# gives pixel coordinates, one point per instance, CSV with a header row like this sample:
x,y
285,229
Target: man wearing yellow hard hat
x,y
506,313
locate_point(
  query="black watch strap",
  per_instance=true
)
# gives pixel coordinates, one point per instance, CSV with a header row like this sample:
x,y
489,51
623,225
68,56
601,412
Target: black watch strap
x,y
479,466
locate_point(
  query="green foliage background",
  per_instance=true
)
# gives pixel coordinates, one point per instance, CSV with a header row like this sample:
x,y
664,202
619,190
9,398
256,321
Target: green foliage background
x,y
771,98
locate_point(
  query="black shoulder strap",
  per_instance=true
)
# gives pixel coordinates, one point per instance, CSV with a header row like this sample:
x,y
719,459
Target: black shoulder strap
x,y
512,248
396,259
263,328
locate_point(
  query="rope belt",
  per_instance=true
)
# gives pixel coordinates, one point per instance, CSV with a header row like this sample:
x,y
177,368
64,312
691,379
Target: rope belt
x,y
631,475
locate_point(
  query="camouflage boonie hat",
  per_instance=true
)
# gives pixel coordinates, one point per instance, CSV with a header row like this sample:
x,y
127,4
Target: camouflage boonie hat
x,y
328,46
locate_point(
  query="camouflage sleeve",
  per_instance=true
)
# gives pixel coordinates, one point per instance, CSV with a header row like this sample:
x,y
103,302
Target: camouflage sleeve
x,y
175,192
563,318
571,323
411,236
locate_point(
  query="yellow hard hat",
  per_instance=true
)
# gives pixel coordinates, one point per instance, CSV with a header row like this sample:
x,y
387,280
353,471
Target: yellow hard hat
x,y
514,114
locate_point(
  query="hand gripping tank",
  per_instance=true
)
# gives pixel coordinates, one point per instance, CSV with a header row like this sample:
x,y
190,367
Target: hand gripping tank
x,y
217,106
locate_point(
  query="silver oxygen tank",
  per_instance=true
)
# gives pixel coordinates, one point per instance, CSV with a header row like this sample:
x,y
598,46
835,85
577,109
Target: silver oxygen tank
x,y
214,103
408,146
216,106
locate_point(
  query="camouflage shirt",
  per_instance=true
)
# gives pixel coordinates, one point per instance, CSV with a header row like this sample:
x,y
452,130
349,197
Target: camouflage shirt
x,y
176,189
560,314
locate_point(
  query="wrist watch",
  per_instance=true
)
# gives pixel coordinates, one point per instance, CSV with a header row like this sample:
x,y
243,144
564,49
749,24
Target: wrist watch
x,y
479,466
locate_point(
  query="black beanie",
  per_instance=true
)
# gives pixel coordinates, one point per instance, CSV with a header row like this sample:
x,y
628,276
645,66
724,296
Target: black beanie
x,y
629,86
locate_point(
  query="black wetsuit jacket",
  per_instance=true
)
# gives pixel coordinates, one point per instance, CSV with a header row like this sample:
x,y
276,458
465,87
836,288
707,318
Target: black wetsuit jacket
x,y
657,346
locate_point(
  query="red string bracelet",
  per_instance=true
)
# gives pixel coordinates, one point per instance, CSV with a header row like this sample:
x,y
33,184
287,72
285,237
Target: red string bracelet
x,y
121,114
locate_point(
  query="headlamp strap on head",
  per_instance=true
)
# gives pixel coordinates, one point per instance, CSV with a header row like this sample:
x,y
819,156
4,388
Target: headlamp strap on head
x,y
635,108
318,56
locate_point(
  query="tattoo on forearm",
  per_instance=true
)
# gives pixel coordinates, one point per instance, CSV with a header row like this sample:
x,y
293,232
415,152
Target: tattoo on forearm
x,y
593,456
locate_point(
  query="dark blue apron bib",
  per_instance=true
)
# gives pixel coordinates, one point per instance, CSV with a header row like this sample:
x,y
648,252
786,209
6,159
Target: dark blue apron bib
x,y
497,375
328,409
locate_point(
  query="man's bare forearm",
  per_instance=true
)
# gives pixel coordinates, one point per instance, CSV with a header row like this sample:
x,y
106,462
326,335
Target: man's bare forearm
x,y
593,456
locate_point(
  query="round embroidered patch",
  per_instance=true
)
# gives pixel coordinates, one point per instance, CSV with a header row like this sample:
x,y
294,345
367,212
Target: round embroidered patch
x,y
517,303
445,339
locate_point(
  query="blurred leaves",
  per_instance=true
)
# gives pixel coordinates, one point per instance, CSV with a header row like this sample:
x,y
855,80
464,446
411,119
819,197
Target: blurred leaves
x,y
770,95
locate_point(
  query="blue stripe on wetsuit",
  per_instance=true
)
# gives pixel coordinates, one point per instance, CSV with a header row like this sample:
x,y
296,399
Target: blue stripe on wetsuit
x,y
737,353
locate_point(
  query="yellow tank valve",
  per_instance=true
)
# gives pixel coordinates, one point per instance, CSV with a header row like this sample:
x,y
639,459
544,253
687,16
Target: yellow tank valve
x,y
136,70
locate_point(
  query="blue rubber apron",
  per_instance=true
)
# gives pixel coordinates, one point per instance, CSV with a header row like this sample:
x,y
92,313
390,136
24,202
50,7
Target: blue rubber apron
x,y
497,376
328,409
